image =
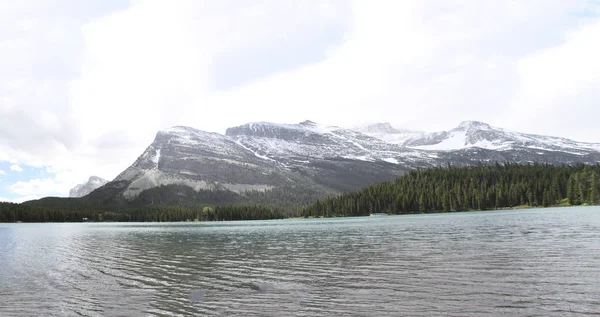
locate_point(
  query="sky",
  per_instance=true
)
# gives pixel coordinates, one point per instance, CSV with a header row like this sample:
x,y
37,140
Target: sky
x,y
85,85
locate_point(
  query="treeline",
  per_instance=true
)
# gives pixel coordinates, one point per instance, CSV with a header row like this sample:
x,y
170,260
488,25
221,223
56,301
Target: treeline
x,y
468,188
164,203
109,198
10,212
431,190
160,204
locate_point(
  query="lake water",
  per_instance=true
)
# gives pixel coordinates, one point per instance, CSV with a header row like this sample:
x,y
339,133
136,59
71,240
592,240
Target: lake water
x,y
516,263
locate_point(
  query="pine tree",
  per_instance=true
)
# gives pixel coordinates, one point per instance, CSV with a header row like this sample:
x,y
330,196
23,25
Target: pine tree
x,y
571,192
422,207
499,197
593,195
546,199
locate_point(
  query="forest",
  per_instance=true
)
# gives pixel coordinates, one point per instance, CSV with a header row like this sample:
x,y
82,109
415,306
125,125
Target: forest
x,y
10,212
480,187
441,189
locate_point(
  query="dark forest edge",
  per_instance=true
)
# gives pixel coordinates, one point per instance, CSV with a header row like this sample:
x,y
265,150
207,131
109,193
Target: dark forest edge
x,y
441,189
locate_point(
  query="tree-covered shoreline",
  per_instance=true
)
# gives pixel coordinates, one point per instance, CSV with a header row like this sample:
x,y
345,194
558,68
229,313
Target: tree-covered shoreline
x,y
441,189
482,187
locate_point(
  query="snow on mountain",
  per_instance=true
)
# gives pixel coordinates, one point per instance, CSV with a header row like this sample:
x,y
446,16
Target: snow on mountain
x,y
260,156
465,135
293,143
387,133
198,159
92,184
475,134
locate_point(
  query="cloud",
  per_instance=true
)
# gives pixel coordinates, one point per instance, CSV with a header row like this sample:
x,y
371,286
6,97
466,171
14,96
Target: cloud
x,y
170,73
425,66
41,48
16,168
39,188
34,111
19,199
562,82
83,91
2,172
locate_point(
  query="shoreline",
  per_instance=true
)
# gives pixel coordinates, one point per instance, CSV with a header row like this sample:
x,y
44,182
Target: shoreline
x,y
516,208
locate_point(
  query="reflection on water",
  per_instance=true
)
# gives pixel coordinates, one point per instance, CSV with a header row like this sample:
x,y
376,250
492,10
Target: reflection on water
x,y
535,262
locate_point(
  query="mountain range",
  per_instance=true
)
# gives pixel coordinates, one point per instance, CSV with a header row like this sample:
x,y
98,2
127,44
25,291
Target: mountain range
x,y
261,160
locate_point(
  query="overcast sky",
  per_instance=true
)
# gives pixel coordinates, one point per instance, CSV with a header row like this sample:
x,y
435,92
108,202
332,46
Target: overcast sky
x,y
85,85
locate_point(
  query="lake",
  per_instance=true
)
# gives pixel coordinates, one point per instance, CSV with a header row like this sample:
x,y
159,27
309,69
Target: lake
x,y
543,262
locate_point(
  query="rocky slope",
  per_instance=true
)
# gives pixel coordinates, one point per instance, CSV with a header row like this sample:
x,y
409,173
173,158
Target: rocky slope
x,y
261,157
92,184
265,157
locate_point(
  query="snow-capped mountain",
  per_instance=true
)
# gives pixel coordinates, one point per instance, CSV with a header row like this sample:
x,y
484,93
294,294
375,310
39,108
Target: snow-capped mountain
x,y
201,160
475,134
298,144
92,184
262,156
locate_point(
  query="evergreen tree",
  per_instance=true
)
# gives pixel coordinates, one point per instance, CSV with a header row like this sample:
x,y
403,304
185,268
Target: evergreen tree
x,y
571,191
593,195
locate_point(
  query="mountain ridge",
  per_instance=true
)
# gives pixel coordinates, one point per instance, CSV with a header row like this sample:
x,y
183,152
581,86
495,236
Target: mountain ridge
x,y
482,135
262,155
273,162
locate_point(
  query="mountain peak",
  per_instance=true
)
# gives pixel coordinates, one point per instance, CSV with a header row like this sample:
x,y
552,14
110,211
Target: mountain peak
x,y
381,128
308,123
178,129
384,127
473,125
92,184
96,179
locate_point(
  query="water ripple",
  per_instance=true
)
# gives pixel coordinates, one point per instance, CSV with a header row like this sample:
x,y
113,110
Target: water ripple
x,y
536,262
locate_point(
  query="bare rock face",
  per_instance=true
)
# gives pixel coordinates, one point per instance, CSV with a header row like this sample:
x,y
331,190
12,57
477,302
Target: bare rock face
x,y
93,183
264,156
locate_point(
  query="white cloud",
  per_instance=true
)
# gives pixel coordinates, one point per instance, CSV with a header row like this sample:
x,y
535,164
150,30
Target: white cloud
x,y
422,66
16,168
39,187
100,88
166,76
560,83
19,199
2,172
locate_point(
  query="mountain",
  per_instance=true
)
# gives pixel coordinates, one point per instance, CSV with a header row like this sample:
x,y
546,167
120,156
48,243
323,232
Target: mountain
x,y
260,157
475,134
381,128
92,184
294,164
